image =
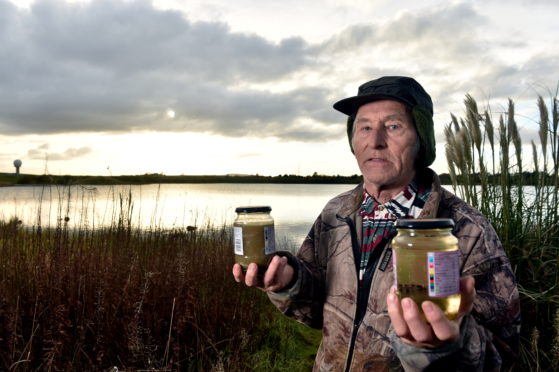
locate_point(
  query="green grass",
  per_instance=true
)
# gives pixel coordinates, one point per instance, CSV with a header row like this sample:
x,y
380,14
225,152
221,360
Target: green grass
x,y
285,345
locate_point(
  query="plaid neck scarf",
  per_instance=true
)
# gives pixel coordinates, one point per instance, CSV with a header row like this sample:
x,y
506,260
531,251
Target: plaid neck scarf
x,y
378,219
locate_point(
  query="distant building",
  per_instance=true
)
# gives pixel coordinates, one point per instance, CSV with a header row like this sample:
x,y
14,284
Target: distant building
x,y
17,164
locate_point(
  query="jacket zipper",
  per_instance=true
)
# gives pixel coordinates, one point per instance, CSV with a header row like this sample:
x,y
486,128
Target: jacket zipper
x,y
364,289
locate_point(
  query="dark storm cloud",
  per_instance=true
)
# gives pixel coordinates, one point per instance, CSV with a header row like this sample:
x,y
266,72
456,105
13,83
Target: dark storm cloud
x,y
129,38
208,108
116,66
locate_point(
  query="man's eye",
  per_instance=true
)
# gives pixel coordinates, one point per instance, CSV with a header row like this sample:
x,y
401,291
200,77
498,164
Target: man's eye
x,y
393,126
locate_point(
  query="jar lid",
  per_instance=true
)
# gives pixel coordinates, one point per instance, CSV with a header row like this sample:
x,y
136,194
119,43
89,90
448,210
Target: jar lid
x,y
256,209
424,223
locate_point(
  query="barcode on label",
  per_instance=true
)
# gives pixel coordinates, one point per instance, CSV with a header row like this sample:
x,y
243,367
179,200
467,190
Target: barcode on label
x,y
238,240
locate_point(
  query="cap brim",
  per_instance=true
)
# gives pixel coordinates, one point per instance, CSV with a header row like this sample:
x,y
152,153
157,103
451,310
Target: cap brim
x,y
349,106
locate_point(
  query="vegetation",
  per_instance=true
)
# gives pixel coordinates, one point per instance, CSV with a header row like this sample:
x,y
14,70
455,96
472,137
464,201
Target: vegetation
x,y
93,300
488,168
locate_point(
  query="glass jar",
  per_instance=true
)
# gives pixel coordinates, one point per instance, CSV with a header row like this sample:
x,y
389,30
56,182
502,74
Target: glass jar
x,y
427,263
254,238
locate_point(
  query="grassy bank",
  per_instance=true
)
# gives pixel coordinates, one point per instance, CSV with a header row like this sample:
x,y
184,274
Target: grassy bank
x,y
120,297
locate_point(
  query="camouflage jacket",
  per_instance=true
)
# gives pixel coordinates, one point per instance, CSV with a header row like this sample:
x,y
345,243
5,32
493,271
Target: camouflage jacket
x,y
356,331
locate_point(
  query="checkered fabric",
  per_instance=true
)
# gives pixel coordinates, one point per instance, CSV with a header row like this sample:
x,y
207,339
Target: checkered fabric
x,y
378,219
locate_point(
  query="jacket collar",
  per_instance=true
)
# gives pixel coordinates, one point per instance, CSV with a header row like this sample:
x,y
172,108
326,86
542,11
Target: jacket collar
x,y
432,203
355,199
429,210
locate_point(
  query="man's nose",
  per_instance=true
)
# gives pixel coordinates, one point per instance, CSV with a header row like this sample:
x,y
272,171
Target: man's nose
x,y
377,139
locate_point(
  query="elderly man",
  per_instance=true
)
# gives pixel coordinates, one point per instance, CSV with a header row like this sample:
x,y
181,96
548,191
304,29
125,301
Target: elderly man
x,y
342,280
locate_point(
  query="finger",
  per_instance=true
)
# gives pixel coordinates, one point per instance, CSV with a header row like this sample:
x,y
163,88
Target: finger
x,y
251,276
443,329
238,273
419,329
275,267
396,317
281,275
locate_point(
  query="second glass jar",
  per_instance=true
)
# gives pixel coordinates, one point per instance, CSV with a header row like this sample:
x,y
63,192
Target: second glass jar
x,y
426,263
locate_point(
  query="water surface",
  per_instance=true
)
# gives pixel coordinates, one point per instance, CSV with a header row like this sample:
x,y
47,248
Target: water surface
x,y
294,206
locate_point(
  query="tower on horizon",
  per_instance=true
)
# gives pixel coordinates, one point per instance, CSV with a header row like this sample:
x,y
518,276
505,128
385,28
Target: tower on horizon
x,y
17,164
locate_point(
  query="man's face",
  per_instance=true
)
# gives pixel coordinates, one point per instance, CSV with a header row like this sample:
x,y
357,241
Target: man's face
x,y
386,144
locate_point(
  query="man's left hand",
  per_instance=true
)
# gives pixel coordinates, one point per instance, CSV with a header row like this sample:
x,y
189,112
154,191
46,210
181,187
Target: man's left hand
x,y
410,325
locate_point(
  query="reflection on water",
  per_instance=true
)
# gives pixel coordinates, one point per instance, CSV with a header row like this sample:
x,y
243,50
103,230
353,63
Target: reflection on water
x,y
294,207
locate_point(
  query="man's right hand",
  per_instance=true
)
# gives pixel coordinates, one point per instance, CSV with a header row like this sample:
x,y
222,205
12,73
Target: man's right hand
x,y
278,275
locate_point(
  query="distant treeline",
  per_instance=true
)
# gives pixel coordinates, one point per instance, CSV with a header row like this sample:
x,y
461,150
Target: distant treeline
x,y
29,179
6,179
524,179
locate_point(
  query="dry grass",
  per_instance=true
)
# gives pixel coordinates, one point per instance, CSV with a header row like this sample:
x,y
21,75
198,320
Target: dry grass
x,y
125,298
90,300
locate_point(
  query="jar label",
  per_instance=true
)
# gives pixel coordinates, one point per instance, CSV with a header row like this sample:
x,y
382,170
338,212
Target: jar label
x,y
269,240
238,238
443,273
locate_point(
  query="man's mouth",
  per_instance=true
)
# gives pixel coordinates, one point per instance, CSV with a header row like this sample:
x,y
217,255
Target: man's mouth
x,y
376,160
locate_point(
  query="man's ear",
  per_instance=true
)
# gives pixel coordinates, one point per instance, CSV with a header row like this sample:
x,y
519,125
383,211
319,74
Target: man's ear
x,y
349,125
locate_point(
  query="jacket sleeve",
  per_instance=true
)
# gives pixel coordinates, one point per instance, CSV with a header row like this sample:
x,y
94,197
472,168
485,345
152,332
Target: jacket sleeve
x,y
490,334
304,299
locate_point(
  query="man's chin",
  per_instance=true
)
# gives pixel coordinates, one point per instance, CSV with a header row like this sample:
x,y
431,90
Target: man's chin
x,y
385,183
379,182
377,170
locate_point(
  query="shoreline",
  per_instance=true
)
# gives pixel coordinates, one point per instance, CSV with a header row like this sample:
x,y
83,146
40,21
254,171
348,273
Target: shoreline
x,y
29,179
10,179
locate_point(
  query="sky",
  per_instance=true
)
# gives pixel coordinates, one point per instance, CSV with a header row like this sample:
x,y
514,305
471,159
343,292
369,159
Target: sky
x,y
111,87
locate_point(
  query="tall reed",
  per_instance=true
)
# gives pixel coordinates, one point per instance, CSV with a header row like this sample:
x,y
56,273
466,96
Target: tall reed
x,y
521,205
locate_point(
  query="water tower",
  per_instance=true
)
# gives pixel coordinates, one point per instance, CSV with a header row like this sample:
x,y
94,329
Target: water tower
x,y
17,164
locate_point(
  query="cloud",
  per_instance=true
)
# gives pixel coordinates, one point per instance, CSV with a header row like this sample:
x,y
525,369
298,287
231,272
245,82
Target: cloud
x,y
261,114
116,66
124,39
530,3
42,153
452,50
447,32
119,66
522,82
